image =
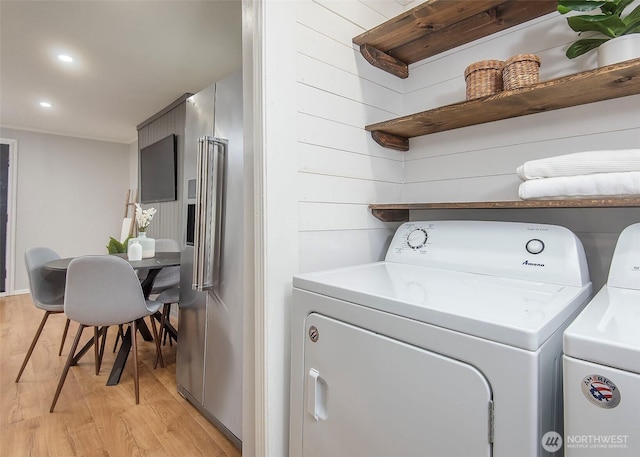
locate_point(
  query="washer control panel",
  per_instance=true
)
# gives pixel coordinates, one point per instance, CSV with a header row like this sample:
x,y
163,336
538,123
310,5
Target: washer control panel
x,y
417,238
536,252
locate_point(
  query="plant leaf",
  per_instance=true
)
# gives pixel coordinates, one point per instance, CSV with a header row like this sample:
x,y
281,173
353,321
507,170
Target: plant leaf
x,y
611,26
618,6
581,46
112,247
116,247
632,18
565,6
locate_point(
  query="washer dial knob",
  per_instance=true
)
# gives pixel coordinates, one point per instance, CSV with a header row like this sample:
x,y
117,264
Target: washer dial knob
x,y
535,246
417,238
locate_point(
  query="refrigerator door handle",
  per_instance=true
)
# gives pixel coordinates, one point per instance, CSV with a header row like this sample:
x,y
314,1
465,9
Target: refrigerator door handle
x,y
210,197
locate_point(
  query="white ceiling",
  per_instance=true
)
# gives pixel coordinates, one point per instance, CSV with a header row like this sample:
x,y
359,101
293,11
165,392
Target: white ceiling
x,y
132,59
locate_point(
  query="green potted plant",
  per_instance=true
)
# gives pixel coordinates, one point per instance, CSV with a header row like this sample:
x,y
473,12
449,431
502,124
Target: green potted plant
x,y
116,247
609,24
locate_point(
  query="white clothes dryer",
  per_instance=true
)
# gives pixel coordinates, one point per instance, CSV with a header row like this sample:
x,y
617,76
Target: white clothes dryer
x,y
602,362
450,347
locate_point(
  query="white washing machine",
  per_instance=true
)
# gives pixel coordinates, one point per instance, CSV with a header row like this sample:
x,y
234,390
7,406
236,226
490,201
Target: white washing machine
x,y
450,347
602,362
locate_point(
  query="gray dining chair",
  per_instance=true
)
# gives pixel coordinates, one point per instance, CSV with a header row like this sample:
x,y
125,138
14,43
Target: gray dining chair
x,y
166,284
103,291
167,298
47,293
168,278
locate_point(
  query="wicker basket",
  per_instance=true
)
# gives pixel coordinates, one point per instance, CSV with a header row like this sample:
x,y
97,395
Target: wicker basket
x,y
483,78
521,70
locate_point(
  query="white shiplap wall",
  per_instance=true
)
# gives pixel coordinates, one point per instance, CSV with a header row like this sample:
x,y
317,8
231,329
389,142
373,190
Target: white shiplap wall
x,y
340,169
318,167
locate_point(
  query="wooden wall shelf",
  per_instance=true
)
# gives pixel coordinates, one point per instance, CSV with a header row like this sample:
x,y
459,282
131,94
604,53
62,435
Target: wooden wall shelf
x,y
613,81
399,212
438,25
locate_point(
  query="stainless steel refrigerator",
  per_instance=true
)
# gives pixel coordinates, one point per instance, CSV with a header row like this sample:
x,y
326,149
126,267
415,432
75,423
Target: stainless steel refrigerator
x,y
209,353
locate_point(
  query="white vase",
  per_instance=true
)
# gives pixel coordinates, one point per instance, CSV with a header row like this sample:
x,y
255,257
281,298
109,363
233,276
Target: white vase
x,y
148,244
619,49
134,250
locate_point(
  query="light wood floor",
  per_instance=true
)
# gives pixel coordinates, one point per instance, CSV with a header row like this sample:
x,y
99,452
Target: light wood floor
x,y
91,419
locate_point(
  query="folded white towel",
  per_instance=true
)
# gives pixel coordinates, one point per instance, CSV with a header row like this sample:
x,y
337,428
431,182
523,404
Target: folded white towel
x,y
597,185
581,163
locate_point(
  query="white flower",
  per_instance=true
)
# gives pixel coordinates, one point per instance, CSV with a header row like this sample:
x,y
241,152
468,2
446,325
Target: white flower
x,y
143,217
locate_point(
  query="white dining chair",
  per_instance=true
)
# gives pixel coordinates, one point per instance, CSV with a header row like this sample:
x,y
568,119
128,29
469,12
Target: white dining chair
x,y
47,293
103,291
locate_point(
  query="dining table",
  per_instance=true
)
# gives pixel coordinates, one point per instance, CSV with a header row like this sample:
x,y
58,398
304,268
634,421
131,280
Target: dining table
x,y
153,265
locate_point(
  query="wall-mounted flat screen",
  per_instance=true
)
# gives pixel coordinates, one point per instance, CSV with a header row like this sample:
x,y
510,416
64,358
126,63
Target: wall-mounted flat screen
x,y
158,171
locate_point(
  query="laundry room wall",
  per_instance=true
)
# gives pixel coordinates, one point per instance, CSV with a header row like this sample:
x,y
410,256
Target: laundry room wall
x,y
339,170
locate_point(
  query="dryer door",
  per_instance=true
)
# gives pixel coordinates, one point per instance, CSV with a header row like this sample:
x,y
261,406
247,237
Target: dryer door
x,y
368,395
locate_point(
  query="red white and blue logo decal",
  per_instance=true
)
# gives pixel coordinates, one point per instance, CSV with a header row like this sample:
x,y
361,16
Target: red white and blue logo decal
x,y
601,391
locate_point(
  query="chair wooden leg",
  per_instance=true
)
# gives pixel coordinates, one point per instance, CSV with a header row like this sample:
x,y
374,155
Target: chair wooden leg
x,y
157,341
33,344
64,336
134,343
65,370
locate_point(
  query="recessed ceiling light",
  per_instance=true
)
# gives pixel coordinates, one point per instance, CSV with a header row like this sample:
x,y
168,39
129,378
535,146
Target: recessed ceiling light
x,y
65,58
45,104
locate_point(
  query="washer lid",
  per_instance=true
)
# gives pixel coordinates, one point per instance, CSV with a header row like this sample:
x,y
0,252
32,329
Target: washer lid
x,y
511,311
607,332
